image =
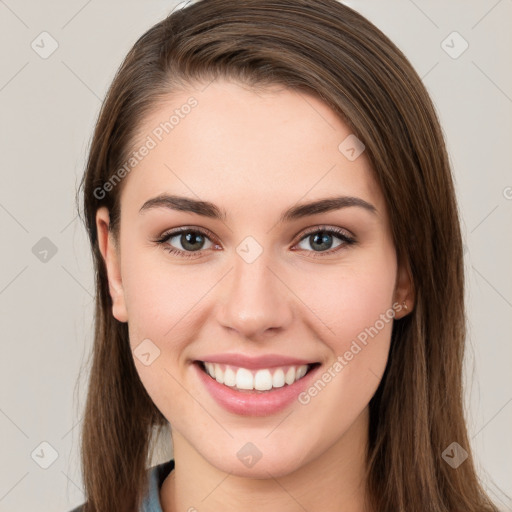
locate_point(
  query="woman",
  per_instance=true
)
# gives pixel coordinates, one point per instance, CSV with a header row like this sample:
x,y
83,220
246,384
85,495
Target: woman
x,y
279,272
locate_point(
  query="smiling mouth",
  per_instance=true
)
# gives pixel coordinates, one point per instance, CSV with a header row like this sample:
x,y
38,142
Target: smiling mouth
x,y
261,380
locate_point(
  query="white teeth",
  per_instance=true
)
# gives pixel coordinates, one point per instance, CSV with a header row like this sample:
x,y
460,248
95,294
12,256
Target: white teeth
x,y
229,377
289,378
301,371
260,380
263,380
244,378
278,378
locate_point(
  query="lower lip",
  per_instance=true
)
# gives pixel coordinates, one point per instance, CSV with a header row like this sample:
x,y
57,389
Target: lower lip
x,y
247,403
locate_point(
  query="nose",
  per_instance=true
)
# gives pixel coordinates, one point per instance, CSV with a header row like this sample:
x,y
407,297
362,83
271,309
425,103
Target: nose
x,y
255,302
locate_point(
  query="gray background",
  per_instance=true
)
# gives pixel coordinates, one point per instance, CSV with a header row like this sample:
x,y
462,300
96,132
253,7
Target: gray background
x,y
48,108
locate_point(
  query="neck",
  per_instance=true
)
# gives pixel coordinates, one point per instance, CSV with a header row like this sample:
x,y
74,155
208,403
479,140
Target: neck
x,y
332,482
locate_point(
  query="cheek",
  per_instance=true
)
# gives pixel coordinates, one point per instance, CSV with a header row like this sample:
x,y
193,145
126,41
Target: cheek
x,y
352,298
158,296
364,302
355,307
160,301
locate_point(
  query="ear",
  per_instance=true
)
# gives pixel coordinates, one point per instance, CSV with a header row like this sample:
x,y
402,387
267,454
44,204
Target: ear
x,y
110,253
404,296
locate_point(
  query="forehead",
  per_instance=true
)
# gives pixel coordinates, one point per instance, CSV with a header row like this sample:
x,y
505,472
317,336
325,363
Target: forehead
x,y
246,149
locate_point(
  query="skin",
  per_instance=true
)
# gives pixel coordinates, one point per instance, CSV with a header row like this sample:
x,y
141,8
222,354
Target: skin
x,y
256,153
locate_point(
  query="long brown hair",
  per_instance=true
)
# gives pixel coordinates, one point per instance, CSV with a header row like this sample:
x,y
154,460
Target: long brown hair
x,y
325,48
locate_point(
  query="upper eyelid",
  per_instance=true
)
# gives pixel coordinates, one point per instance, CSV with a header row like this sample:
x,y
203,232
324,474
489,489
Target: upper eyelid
x,y
323,227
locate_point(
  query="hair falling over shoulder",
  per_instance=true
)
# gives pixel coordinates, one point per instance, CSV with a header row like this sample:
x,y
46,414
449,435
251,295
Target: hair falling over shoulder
x,y
328,49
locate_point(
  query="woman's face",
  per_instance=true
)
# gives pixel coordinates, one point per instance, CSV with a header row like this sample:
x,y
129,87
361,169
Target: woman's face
x,y
261,293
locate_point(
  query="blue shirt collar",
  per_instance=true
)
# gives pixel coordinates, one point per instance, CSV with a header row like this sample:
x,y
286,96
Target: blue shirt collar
x,y
156,475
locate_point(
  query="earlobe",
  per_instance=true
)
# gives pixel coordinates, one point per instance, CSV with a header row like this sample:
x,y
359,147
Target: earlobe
x,y
110,255
404,292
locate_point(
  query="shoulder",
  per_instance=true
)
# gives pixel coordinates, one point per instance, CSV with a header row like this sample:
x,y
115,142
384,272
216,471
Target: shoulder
x,y
156,475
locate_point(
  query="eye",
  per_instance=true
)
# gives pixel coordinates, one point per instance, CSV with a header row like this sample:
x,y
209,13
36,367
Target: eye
x,y
189,241
321,239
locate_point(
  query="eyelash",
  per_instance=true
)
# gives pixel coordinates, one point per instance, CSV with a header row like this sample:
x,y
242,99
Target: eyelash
x,y
163,239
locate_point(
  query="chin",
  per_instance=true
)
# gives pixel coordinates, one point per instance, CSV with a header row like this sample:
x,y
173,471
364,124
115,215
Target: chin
x,y
259,460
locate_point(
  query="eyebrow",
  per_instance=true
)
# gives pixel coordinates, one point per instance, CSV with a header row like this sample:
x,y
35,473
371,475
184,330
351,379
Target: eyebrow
x,y
207,209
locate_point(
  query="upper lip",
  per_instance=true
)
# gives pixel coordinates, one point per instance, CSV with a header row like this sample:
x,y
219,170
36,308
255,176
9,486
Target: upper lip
x,y
265,361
